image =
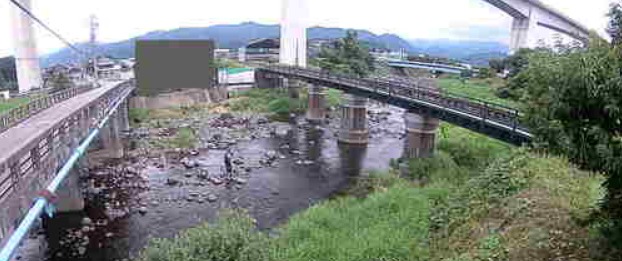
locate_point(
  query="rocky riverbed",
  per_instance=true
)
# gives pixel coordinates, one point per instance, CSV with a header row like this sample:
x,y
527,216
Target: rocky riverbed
x,y
279,169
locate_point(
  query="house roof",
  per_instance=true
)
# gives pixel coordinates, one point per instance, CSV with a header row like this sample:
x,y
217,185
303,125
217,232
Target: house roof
x,y
264,43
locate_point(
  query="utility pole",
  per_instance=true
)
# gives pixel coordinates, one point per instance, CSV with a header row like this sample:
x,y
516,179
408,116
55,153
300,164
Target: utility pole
x,y
25,45
94,26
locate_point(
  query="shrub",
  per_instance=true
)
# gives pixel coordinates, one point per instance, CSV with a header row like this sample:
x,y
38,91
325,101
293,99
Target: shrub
x,y
470,150
231,238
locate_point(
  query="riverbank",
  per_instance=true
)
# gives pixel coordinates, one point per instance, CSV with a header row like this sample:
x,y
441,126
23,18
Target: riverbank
x,y
478,199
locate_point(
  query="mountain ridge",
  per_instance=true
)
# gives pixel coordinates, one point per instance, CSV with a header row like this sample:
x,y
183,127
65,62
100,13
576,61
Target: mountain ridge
x,y
233,36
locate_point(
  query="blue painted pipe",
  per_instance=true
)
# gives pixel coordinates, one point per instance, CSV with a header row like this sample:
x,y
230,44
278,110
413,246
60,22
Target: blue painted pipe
x,y
40,203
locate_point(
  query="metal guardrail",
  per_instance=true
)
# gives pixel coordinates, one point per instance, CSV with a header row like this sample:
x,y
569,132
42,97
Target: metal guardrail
x,y
16,115
421,91
38,155
42,203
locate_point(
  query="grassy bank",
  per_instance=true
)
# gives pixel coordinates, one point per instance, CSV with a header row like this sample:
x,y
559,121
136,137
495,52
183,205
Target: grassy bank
x,y
481,200
6,105
276,101
483,89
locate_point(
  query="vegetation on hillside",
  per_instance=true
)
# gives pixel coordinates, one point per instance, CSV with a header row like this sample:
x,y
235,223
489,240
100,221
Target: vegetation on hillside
x,y
347,56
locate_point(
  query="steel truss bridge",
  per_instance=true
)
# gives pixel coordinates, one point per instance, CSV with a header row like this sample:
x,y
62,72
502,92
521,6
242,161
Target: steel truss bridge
x,y
494,120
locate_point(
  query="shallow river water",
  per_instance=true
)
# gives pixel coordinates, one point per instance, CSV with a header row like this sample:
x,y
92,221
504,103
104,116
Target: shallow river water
x,y
133,201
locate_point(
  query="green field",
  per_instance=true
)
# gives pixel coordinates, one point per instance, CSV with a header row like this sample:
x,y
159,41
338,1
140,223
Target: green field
x,y
483,89
6,105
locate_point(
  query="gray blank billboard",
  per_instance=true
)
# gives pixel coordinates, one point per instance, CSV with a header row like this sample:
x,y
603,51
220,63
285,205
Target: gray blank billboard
x,y
165,66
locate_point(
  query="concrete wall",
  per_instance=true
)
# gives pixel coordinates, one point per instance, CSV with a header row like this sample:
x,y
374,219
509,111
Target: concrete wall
x,y
180,98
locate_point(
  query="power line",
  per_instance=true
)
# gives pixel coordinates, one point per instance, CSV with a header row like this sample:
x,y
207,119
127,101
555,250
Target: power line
x,y
57,35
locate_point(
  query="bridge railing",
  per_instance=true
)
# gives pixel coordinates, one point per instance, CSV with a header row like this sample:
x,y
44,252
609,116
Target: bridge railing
x,y
38,155
16,115
422,91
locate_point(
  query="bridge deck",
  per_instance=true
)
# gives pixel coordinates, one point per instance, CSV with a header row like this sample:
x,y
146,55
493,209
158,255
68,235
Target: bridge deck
x,y
13,140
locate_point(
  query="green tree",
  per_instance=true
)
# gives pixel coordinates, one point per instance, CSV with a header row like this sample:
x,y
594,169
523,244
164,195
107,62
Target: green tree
x,y
58,81
574,107
518,61
614,28
498,65
347,56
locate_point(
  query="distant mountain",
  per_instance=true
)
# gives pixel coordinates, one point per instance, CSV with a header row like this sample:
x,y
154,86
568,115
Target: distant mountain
x,y
235,36
474,52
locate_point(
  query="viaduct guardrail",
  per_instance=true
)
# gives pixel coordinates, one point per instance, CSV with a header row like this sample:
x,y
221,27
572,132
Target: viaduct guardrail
x,y
36,154
16,115
494,120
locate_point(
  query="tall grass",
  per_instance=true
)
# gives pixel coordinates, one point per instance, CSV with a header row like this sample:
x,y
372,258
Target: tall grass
x,y
390,225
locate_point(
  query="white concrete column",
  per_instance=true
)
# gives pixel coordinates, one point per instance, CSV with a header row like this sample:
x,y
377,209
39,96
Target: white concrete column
x,y
26,58
294,33
524,34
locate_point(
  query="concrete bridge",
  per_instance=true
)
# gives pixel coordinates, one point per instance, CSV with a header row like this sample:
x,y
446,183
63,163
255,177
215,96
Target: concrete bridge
x,y
43,135
528,15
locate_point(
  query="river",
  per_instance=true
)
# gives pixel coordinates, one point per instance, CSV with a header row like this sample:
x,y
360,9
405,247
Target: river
x,y
281,169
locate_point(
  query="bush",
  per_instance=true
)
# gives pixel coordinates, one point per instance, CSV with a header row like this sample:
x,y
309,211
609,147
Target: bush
x,y
469,149
440,167
523,207
231,238
138,115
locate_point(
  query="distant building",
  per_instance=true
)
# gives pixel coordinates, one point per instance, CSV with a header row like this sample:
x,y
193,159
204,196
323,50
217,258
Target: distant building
x,y
108,68
264,49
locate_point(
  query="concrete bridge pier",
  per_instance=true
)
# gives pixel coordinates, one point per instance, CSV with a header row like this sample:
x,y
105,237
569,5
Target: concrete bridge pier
x,y
70,198
124,117
111,142
316,112
293,87
420,136
354,120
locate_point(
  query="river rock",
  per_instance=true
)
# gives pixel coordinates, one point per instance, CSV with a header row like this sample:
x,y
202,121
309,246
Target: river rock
x,y
86,221
240,181
131,170
188,163
271,155
212,198
216,181
262,120
203,174
142,210
172,182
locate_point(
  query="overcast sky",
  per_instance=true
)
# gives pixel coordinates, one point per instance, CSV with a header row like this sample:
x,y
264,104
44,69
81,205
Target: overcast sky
x,y
122,19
